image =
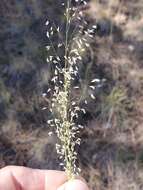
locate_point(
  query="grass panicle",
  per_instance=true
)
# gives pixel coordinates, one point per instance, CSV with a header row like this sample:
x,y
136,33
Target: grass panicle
x,y
63,106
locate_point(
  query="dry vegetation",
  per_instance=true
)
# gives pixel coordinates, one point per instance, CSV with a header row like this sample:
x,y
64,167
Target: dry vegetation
x,y
111,152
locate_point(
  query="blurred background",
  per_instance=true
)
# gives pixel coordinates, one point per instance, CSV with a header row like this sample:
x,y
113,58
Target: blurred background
x,y
111,151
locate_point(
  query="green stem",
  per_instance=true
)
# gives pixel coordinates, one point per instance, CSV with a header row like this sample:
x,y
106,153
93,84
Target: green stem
x,y
67,135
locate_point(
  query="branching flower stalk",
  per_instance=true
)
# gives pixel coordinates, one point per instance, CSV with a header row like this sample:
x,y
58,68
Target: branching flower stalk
x,y
63,107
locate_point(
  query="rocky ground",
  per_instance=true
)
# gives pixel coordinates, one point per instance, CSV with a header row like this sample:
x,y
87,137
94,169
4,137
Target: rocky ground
x,y
111,152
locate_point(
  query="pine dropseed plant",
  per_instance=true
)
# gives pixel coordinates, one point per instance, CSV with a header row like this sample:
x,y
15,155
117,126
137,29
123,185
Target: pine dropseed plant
x,y
73,41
